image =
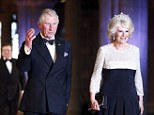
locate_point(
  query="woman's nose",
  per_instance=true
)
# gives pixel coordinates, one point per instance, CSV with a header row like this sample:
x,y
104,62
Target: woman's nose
x,y
123,34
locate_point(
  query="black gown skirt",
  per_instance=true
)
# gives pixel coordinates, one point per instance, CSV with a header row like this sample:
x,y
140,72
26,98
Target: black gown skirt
x,y
120,94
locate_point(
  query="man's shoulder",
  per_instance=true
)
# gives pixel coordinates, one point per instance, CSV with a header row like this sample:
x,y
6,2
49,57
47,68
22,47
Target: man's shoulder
x,y
1,60
60,38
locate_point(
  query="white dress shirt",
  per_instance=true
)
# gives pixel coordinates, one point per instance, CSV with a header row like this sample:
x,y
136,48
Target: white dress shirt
x,y
8,65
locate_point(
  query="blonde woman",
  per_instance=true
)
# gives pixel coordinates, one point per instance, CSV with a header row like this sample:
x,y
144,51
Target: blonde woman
x,y
117,74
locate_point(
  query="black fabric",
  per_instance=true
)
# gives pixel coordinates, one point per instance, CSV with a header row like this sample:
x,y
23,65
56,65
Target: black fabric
x,y
33,113
46,83
10,86
119,88
7,60
49,41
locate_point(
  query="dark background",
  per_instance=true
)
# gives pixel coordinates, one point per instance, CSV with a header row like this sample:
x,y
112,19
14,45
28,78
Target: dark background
x,y
79,23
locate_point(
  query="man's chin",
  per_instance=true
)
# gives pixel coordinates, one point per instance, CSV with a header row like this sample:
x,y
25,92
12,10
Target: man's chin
x,y
50,36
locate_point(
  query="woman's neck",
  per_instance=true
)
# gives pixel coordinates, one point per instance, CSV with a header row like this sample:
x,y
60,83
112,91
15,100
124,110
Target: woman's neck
x,y
119,46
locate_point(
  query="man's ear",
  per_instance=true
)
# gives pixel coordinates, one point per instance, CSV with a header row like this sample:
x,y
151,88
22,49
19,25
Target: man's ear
x,y
39,24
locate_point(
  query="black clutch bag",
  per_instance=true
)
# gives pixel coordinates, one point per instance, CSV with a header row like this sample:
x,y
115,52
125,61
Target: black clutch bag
x,y
102,100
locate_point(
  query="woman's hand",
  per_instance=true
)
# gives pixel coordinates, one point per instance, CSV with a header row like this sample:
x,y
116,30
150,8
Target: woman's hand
x,y
141,106
94,102
94,105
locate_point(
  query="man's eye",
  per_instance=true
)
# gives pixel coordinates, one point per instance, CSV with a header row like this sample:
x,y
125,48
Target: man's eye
x,y
47,23
55,23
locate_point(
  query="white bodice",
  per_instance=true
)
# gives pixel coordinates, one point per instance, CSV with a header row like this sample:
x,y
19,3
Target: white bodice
x,y
110,58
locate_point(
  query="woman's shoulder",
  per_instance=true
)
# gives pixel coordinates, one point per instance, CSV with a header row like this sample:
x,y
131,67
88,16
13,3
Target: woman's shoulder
x,y
133,47
105,47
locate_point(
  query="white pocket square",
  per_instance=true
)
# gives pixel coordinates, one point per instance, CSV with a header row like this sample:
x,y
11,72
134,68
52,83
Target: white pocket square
x,y
65,54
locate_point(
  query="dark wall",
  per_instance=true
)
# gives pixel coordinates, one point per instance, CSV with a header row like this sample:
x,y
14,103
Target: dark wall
x,y
151,57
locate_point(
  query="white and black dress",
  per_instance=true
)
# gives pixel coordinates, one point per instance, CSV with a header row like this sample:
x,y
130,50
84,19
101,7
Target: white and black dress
x,y
117,77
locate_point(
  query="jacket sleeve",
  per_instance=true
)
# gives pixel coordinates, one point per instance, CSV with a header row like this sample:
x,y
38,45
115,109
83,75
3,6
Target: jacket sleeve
x,y
23,80
24,61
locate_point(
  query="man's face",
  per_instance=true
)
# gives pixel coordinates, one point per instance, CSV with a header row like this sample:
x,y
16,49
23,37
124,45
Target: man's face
x,y
7,52
48,26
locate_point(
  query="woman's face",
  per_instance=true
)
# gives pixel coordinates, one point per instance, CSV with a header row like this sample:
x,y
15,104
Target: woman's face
x,y
121,35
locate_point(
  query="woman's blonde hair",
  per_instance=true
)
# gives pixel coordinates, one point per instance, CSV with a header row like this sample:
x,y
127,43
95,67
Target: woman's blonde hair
x,y
119,20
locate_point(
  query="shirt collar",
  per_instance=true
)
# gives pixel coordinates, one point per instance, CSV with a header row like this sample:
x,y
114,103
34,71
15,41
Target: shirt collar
x,y
6,58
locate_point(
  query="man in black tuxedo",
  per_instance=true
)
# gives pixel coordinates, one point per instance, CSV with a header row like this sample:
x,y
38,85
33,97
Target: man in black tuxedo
x,y
12,81
48,60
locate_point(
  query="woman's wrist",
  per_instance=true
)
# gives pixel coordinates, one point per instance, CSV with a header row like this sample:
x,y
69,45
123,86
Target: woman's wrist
x,y
141,102
92,97
141,99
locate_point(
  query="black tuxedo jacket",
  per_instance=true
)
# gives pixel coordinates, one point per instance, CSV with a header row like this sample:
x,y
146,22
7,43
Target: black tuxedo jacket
x,y
48,84
10,84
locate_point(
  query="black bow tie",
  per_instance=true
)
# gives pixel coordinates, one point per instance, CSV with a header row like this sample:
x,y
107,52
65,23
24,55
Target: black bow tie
x,y
8,60
49,41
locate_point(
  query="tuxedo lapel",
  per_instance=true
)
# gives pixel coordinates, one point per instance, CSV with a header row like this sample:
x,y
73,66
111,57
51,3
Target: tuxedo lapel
x,y
4,67
59,48
14,70
45,54
59,52
43,50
